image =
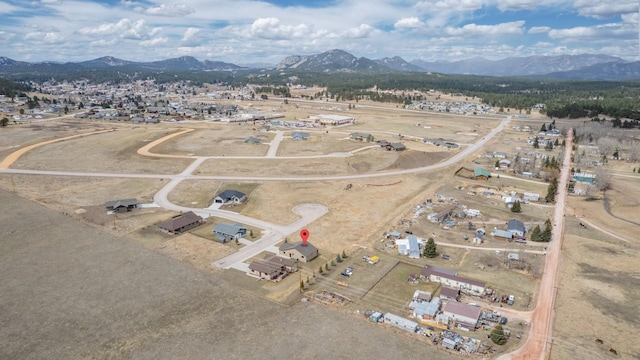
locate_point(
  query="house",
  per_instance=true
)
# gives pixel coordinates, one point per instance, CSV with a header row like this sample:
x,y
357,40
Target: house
x,y
400,322
504,164
499,155
300,251
426,310
290,265
123,205
395,147
229,232
300,136
531,196
361,137
481,174
449,294
414,248
465,316
516,227
478,238
421,296
230,197
441,216
181,223
267,270
451,279
584,177
503,234
252,140
272,267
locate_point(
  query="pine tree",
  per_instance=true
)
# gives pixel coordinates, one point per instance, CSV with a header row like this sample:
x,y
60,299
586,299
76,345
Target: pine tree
x,y
551,190
338,258
543,128
516,207
430,249
497,335
536,233
344,255
536,144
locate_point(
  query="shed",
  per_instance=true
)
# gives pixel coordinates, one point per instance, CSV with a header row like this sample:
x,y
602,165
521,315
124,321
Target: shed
x,y
449,344
400,322
376,317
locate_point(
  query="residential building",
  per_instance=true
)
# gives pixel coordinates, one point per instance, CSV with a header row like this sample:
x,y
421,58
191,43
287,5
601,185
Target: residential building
x,y
229,232
300,136
361,137
426,310
503,234
230,197
123,205
298,251
181,223
449,294
481,174
451,279
463,315
516,227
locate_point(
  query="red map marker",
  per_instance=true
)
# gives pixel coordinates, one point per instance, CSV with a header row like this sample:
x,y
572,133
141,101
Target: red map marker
x,y
304,234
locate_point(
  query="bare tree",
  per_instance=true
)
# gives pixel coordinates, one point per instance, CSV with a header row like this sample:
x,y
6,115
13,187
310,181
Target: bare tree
x,y
603,178
633,149
606,145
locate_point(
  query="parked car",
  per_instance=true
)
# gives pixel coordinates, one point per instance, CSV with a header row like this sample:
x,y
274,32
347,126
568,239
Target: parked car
x,y
345,273
445,256
409,232
503,321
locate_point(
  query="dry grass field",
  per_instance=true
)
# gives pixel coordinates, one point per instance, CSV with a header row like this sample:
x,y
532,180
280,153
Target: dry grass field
x,y
216,140
108,152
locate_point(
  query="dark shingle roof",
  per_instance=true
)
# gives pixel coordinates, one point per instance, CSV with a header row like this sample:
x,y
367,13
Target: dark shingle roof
x,y
180,221
124,202
229,194
306,250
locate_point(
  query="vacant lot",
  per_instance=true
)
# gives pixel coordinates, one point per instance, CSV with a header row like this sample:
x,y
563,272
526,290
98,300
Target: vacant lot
x,y
113,152
217,140
598,298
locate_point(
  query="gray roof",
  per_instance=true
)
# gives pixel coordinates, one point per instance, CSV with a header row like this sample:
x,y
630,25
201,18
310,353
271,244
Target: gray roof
x,y
503,233
253,140
230,194
124,202
306,250
514,224
300,135
427,270
265,267
229,229
462,309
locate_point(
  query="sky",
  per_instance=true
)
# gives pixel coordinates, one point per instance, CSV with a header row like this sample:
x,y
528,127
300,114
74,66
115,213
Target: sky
x,y
265,32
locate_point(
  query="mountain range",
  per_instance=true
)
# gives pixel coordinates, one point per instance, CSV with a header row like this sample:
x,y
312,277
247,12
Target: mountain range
x,y
580,67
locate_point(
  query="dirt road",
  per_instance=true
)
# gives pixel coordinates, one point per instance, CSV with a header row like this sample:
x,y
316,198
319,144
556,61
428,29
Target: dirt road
x,y
540,333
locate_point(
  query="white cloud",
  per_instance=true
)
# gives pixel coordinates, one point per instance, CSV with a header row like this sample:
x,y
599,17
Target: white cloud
x,y
270,28
190,34
125,28
605,9
509,28
515,5
600,32
170,10
450,5
539,30
408,23
359,32
45,36
154,42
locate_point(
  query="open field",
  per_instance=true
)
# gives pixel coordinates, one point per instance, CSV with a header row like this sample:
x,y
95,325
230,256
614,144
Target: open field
x,y
96,296
320,142
108,152
217,140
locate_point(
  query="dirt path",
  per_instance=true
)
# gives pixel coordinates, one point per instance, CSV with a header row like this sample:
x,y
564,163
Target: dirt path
x,y
146,150
14,156
537,343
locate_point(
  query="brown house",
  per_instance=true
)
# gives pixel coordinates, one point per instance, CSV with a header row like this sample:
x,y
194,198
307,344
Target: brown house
x,y
181,223
298,251
123,205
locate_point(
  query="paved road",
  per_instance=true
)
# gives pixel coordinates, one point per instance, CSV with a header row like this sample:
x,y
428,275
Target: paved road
x,y
540,333
275,144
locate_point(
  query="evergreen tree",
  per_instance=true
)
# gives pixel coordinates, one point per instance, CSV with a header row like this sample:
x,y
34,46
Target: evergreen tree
x,y
516,207
536,143
497,335
546,234
551,190
497,163
536,233
338,258
543,128
344,255
430,250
